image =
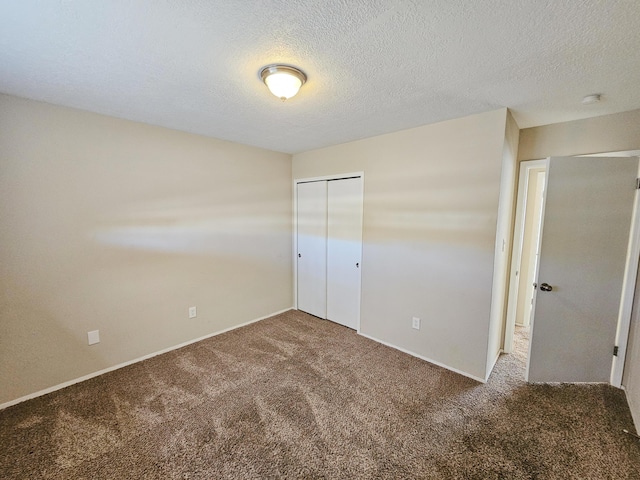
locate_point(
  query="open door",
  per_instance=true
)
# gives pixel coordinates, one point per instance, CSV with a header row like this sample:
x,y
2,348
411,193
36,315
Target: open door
x,y
585,238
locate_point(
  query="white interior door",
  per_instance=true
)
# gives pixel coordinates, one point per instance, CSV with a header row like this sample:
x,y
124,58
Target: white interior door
x,y
585,237
312,248
344,251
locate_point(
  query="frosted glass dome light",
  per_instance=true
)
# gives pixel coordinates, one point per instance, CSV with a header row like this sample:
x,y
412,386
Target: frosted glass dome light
x,y
282,80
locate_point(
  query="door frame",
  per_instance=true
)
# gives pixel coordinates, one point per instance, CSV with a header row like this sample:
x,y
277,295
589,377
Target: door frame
x,y
628,300
516,249
294,253
628,293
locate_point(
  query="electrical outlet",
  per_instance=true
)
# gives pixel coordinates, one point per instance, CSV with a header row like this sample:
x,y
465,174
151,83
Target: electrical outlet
x,y
192,312
93,337
415,323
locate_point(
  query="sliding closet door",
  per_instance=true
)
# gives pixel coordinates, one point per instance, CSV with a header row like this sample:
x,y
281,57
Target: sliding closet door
x,y
344,250
312,248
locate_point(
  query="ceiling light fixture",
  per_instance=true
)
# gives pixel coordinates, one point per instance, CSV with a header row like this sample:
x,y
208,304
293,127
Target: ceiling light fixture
x,y
591,99
284,81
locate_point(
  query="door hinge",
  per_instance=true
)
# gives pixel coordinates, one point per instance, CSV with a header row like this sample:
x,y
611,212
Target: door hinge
x,y
637,183
615,351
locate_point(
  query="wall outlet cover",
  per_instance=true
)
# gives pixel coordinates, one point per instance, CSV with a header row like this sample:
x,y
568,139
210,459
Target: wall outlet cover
x,y
192,312
93,337
415,323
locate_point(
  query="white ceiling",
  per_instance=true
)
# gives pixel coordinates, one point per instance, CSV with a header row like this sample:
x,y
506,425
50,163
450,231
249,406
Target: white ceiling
x,y
374,66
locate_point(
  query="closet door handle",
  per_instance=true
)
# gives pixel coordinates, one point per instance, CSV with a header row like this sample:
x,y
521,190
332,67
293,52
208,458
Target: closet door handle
x,y
299,255
358,265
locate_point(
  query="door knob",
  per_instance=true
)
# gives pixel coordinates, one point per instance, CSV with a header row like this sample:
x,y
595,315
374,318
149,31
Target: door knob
x,y
545,287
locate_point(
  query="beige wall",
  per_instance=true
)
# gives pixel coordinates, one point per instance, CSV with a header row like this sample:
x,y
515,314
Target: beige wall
x,y
504,234
429,233
118,226
609,133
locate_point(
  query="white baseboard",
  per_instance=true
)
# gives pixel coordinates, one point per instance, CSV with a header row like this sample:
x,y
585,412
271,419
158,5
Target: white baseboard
x,y
403,350
130,362
558,384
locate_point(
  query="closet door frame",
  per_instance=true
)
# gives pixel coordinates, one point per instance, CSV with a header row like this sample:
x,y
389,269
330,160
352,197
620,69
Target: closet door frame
x,y
296,181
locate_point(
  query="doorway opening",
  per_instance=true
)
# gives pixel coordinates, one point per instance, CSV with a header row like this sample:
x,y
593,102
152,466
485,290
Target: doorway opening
x,y
526,243
526,248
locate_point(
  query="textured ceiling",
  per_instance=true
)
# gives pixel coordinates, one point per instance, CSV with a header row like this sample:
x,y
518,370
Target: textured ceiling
x,y
374,66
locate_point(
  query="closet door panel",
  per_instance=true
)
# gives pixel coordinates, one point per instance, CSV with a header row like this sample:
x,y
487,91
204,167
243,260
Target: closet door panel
x,y
312,248
344,250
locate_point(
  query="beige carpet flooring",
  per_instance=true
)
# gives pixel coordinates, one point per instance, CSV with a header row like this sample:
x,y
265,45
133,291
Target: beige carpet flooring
x,y
297,397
